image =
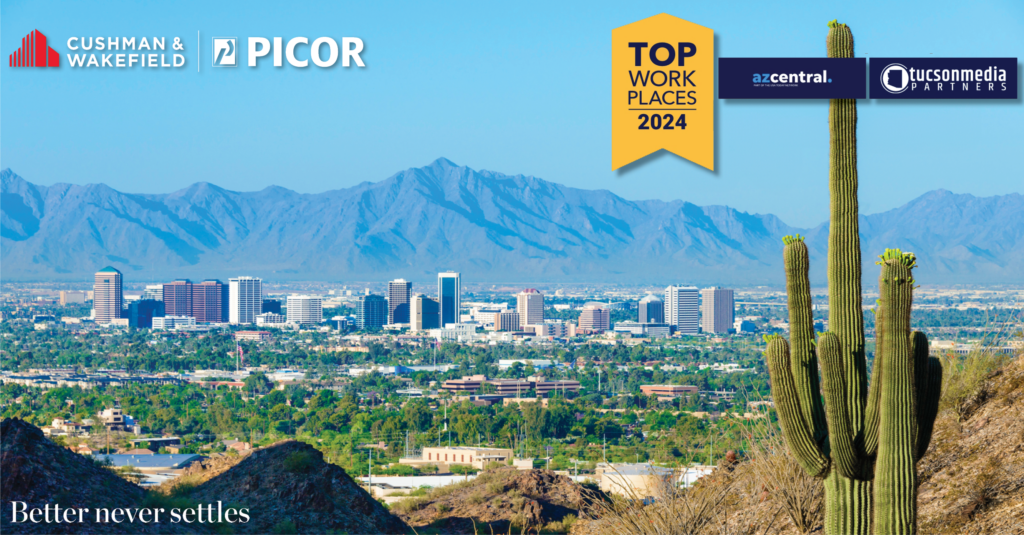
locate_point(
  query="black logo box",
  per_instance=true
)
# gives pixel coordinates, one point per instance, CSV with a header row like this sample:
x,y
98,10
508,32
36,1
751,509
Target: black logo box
x,y
736,78
939,68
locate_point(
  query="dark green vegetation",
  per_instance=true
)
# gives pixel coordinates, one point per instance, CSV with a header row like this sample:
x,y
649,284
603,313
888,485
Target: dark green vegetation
x,y
864,442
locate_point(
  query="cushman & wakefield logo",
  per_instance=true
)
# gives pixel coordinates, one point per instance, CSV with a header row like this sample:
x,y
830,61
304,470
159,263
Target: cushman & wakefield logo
x,y
163,52
34,52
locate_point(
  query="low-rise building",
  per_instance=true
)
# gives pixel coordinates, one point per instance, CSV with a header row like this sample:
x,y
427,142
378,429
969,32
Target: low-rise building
x,y
555,329
470,383
455,332
253,336
511,387
270,318
168,323
668,392
647,330
465,455
545,388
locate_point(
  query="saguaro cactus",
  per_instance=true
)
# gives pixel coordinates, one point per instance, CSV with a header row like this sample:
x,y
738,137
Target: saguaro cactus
x,y
864,442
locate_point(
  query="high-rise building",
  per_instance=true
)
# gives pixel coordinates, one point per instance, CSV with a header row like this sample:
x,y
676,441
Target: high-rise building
x,y
595,319
305,309
245,299
682,308
652,309
178,298
371,312
142,311
154,292
449,289
399,293
530,306
107,295
210,301
424,313
206,301
716,310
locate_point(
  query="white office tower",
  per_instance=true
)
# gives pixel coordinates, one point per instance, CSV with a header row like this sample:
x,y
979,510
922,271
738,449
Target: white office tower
x,y
305,310
399,295
449,290
245,296
530,306
682,308
716,310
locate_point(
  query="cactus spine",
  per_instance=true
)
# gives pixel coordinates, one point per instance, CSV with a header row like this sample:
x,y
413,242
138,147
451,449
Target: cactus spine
x,y
864,442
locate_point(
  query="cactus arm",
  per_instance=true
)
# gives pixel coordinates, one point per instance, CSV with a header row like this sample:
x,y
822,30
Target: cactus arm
x,y
803,360
788,406
895,468
840,431
928,378
844,260
875,389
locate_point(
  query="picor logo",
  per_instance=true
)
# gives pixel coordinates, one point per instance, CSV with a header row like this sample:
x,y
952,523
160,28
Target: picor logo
x,y
34,52
224,52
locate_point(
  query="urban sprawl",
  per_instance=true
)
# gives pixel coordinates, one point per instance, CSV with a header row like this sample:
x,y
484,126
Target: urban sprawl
x,y
407,389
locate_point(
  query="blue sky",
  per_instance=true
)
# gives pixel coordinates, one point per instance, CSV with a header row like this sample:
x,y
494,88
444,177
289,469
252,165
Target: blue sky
x,y
518,87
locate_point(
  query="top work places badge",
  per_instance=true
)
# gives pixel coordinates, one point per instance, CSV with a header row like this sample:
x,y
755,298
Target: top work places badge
x,y
663,82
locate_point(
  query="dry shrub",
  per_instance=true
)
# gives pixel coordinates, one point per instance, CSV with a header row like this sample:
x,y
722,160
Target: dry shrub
x,y
778,477
409,506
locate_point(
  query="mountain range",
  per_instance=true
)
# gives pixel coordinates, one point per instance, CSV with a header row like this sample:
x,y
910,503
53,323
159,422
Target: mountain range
x,y
489,226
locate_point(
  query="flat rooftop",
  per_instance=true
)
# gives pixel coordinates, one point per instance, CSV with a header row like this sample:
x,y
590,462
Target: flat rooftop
x,y
155,461
468,448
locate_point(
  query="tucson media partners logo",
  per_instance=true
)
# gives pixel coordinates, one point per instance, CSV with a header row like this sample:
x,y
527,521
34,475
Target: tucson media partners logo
x,y
225,52
34,52
895,78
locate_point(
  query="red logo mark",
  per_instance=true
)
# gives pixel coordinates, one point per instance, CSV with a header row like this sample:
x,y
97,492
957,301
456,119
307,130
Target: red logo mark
x,y
34,52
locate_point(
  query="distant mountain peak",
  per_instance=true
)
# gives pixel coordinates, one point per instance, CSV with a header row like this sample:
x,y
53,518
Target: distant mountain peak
x,y
444,162
490,226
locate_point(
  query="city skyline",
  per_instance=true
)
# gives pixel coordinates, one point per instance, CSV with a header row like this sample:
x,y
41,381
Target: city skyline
x,y
692,311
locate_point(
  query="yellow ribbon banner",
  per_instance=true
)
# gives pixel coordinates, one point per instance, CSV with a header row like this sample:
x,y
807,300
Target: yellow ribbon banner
x,y
663,83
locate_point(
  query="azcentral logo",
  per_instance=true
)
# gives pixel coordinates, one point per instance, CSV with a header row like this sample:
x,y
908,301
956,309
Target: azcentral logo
x,y
225,52
34,52
895,78
792,78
